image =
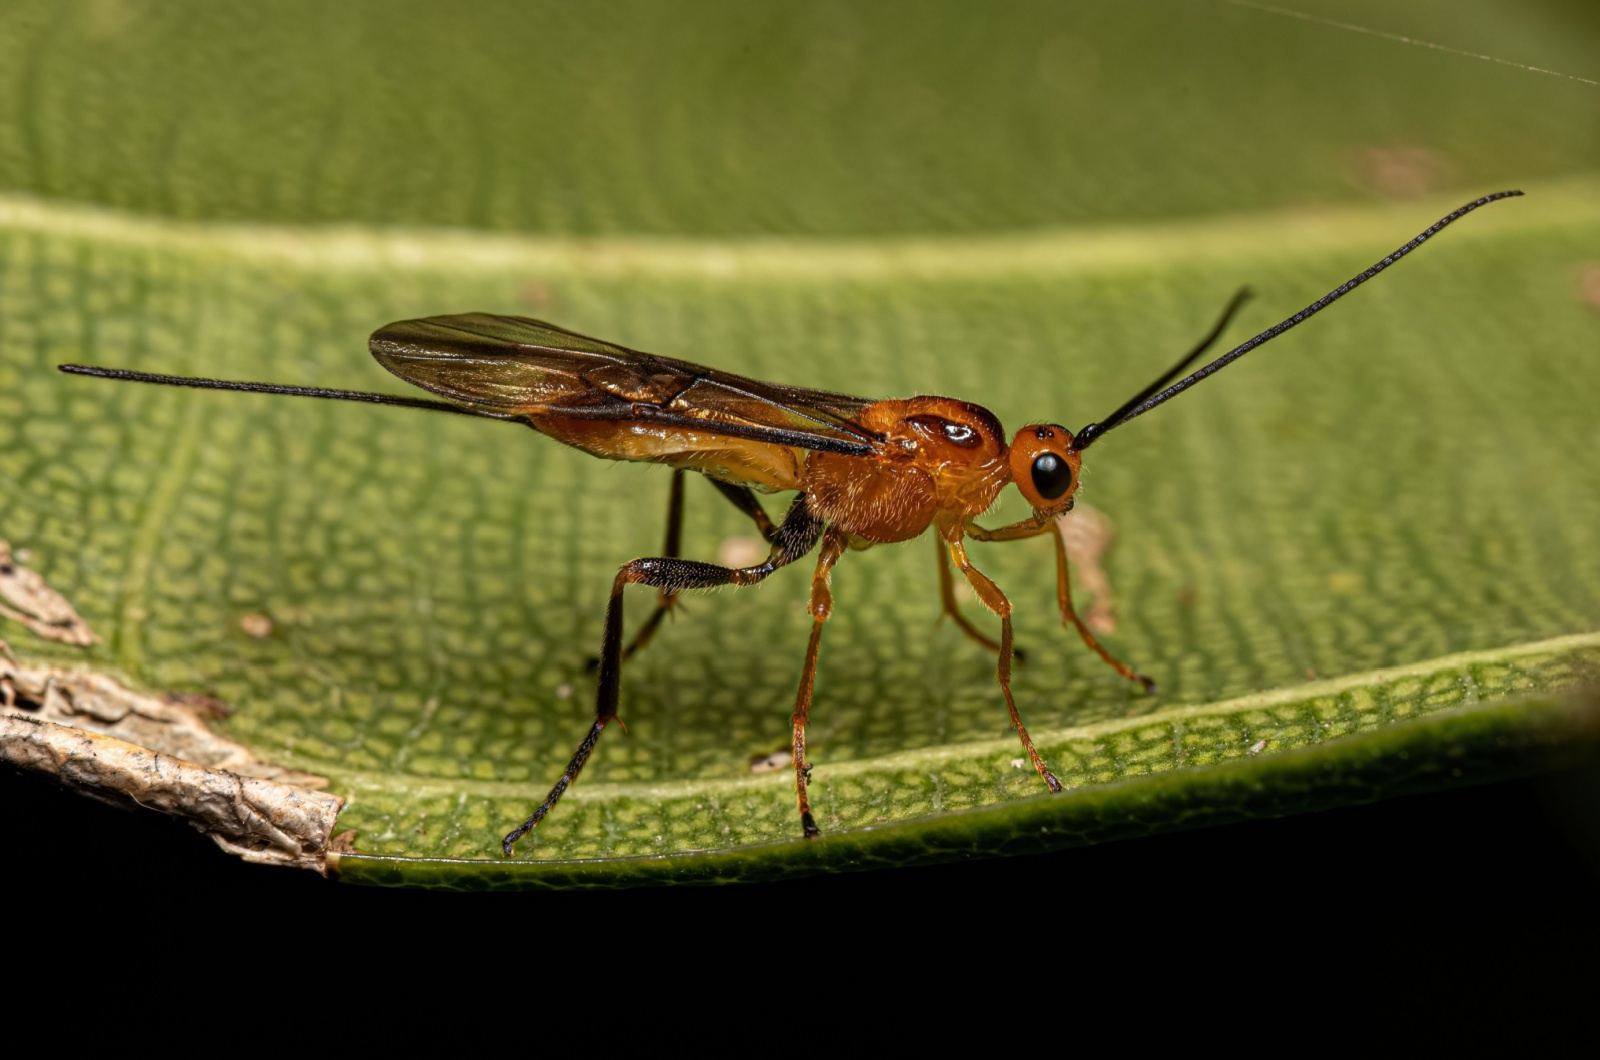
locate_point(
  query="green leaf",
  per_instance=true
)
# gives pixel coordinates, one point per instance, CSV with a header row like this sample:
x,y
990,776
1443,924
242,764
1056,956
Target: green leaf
x,y
1466,745
1382,487
723,117
1366,560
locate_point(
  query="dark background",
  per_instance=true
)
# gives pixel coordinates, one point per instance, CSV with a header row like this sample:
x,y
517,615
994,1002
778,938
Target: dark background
x,y
1513,863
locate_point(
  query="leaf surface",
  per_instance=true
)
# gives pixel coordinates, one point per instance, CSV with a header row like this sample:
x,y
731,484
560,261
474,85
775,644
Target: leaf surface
x,y
721,117
1364,560
1383,487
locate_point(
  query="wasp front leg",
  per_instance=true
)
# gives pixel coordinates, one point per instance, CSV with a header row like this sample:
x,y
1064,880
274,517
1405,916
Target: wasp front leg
x,y
1069,614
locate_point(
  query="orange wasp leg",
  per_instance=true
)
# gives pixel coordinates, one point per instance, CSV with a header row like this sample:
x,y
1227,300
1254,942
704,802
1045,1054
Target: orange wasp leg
x,y
947,598
996,601
833,546
1069,614
797,536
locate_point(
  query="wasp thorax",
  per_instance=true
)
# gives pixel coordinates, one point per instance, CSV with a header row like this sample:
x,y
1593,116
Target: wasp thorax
x,y
1044,466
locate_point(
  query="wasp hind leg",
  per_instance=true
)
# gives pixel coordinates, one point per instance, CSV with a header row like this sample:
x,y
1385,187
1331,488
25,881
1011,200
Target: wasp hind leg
x,y
797,536
742,498
671,548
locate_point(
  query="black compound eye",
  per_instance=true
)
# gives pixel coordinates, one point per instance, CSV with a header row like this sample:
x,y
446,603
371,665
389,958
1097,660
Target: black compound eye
x,y
1051,476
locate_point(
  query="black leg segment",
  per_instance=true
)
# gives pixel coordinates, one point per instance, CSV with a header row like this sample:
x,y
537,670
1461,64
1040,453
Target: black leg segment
x,y
741,497
671,547
744,499
796,536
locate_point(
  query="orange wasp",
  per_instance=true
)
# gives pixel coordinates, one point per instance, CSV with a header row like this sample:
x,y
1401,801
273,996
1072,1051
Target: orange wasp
x,y
866,472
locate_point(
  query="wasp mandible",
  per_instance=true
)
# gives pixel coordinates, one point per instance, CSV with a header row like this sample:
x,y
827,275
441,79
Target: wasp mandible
x,y
864,472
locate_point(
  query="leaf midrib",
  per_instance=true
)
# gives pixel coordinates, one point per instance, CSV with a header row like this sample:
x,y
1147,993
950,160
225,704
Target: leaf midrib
x,y
1370,228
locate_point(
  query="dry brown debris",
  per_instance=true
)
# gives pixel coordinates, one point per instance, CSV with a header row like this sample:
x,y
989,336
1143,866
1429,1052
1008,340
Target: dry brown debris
x,y
1087,533
37,606
107,741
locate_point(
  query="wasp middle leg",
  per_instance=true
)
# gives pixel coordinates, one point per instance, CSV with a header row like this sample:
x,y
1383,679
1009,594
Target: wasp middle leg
x,y
796,536
947,599
833,546
996,601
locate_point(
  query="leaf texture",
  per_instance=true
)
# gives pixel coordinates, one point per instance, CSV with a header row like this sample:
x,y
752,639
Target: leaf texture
x,y
1364,560
1386,486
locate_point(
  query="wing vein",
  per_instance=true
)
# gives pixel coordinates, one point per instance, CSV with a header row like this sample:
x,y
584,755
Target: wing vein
x,y
486,360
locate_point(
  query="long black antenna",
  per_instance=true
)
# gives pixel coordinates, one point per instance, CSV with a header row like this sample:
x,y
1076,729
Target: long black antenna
x,y
1143,403
276,388
1189,358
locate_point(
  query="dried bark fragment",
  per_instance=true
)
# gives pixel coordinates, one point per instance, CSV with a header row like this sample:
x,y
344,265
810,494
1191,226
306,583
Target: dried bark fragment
x,y
1087,533
257,626
260,820
771,763
112,743
37,606
1589,284
83,699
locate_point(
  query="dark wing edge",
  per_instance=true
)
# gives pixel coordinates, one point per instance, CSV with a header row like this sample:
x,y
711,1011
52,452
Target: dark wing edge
x,y
502,362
